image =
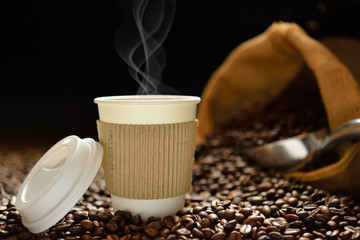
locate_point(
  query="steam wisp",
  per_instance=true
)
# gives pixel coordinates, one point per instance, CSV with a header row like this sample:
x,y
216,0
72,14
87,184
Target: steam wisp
x,y
145,25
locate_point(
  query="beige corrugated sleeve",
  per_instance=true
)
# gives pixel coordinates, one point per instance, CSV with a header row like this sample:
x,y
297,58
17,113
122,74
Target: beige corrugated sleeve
x,y
148,161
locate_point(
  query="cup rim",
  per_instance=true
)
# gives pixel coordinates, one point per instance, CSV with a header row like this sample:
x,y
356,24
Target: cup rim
x,y
147,99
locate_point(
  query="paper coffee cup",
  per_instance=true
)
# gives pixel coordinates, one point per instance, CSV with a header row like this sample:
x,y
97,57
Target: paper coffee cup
x,y
149,146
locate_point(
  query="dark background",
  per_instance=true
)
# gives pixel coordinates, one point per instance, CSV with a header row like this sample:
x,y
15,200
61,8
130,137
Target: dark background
x,y
59,55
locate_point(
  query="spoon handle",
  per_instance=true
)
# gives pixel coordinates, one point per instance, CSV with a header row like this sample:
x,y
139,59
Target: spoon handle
x,y
348,131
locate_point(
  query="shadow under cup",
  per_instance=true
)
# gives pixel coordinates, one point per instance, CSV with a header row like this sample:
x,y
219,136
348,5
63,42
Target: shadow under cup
x,y
149,146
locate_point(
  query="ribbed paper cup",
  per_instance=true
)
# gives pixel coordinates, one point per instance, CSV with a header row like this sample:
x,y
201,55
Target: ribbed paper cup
x,y
149,145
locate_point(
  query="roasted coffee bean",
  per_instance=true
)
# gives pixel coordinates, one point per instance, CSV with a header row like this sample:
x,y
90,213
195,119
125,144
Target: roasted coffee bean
x,y
245,211
266,210
275,235
310,207
126,229
230,198
335,202
346,235
256,200
280,223
203,214
222,222
229,213
136,228
168,222
152,232
76,230
13,215
80,215
321,217
155,224
279,202
218,236
208,232
293,201
356,235
164,232
24,236
263,186
176,227
137,219
352,220
343,224
185,217
261,232
306,198
332,234
4,233
219,227
251,220
86,237
221,214
291,217
87,225
62,227
268,222
273,209
292,231
225,204
319,225
99,231
197,233
104,215
269,229
245,229
307,235
127,215
290,210
175,219
281,192
318,234
112,226
215,203
264,237
112,237
183,231
93,215
171,237
310,220
53,235
190,225
302,214
289,237
205,223
335,218
239,217
325,210
235,235
230,225
213,218
332,225
296,224
285,207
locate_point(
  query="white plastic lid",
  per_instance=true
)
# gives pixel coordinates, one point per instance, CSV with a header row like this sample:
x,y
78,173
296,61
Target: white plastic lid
x,y
57,182
147,109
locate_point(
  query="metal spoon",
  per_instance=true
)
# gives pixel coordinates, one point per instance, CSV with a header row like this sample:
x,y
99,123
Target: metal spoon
x,y
292,153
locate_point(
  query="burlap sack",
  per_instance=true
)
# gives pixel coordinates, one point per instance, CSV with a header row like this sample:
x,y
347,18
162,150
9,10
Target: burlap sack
x,y
261,68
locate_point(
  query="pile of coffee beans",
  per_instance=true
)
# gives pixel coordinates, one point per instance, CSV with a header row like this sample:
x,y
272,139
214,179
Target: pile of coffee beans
x,y
231,198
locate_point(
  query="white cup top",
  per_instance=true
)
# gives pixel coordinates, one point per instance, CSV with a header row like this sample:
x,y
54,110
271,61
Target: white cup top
x,y
147,109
